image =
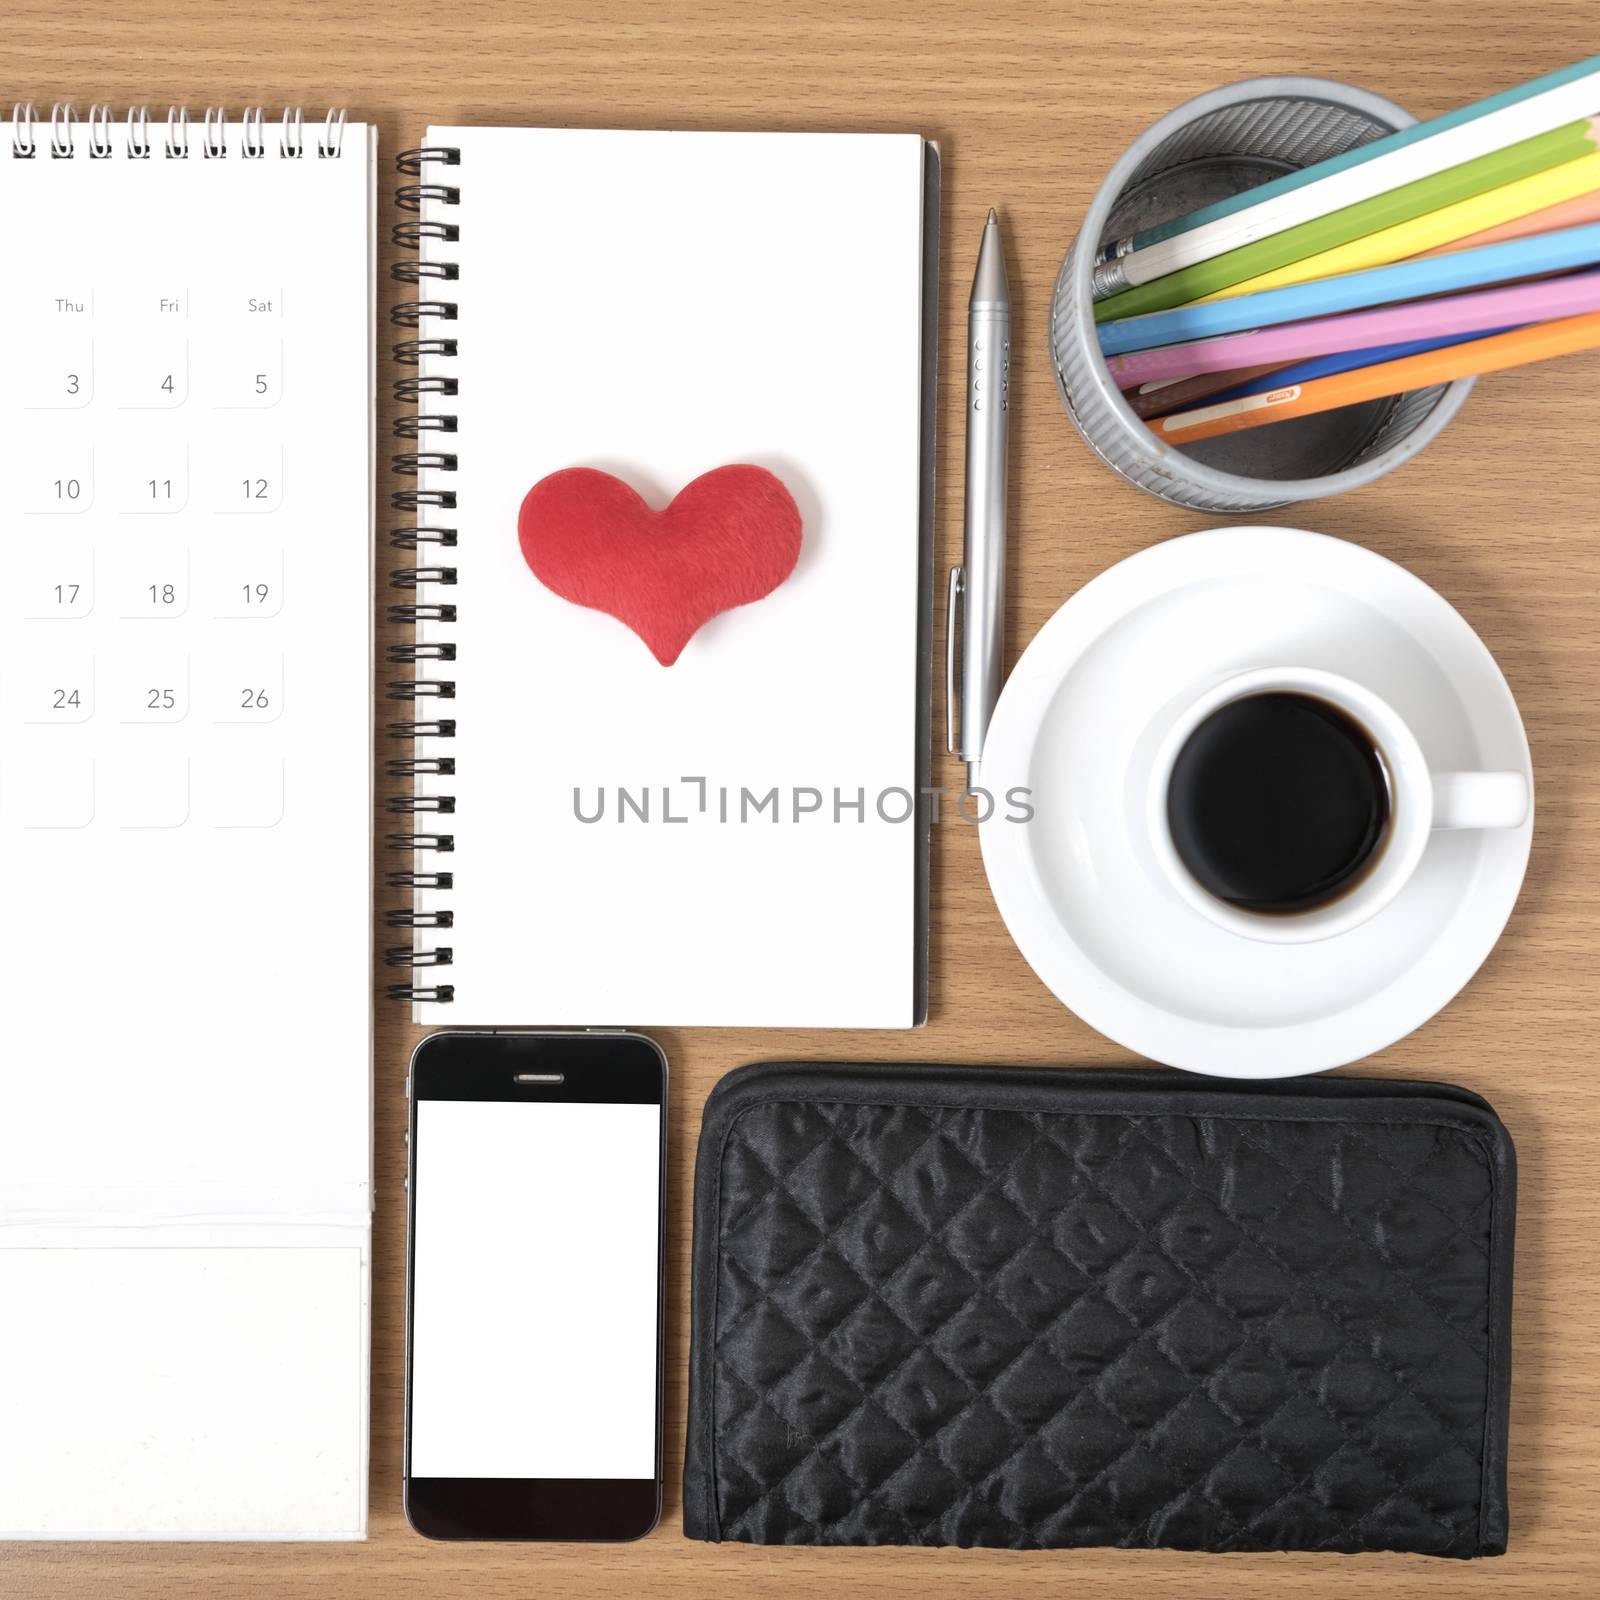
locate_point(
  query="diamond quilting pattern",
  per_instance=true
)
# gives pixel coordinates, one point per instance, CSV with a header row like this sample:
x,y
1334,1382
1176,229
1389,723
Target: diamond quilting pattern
x,y
1020,1328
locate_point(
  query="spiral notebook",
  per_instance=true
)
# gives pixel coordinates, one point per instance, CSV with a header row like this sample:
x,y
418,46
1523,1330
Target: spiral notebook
x,y
740,838
185,1134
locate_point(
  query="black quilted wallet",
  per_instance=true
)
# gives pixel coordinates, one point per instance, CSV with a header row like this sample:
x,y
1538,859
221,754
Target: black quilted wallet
x,y
1041,1308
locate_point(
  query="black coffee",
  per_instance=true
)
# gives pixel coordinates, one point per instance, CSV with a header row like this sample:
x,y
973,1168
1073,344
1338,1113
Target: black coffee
x,y
1278,802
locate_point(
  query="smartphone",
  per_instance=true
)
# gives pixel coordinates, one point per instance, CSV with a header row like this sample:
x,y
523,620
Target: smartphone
x,y
534,1271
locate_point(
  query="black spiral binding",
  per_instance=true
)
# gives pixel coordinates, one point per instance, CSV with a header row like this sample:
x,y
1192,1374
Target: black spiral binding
x,y
426,539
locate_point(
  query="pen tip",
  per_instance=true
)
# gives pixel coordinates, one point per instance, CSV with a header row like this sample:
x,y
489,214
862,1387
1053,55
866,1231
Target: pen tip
x,y
989,281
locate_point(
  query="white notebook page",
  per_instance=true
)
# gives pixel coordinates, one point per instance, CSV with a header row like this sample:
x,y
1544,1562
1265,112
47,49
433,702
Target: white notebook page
x,y
657,305
185,424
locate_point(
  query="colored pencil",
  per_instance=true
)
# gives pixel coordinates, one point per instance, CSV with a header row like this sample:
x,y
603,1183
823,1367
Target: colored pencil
x,y
1287,257
1511,306
1340,361
1523,346
1569,214
1157,399
1510,201
1405,280
1465,142
1356,157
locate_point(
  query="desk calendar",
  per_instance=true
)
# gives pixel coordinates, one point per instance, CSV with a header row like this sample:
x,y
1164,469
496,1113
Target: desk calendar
x,y
186,422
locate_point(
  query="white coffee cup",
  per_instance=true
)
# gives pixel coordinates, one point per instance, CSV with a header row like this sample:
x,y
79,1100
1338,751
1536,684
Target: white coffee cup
x,y
1420,801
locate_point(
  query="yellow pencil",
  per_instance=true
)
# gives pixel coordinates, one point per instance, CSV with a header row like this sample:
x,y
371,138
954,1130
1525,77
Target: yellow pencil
x,y
1575,213
1541,341
1442,227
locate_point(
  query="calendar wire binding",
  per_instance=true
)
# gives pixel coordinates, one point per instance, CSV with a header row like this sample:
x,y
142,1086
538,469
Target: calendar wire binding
x,y
425,534
91,136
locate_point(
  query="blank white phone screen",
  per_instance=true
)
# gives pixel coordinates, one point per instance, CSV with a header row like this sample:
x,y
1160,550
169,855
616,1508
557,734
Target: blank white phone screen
x,y
535,1255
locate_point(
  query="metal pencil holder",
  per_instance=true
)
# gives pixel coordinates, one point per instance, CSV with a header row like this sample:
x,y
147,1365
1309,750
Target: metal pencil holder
x,y
1216,145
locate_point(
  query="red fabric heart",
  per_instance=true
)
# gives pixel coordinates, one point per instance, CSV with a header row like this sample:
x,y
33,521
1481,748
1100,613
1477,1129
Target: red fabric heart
x,y
730,537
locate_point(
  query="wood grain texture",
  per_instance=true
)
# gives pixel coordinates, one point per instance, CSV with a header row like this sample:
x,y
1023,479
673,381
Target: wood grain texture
x,y
1031,103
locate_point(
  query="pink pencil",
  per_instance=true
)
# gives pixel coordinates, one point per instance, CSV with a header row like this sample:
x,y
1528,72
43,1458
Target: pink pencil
x,y
1540,301
1571,213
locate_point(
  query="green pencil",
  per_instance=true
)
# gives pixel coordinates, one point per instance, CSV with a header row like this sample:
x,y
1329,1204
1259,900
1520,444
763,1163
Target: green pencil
x,y
1439,189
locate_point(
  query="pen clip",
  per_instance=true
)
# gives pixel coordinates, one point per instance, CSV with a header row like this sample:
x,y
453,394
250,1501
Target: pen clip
x,y
958,584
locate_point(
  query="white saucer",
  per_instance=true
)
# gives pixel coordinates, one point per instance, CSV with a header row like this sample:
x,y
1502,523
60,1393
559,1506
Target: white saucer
x,y
1089,910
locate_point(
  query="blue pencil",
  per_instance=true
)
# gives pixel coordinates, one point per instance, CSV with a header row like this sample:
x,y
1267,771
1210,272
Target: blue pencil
x,y
1351,158
1346,361
1352,291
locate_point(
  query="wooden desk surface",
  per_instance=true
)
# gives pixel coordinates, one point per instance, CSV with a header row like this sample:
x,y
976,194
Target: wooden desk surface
x,y
1031,103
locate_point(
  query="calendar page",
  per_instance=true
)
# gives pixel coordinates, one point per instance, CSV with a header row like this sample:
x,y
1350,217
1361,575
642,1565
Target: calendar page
x,y
185,593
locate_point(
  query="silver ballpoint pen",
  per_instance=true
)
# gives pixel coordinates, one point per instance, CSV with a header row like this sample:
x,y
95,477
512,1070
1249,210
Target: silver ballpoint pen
x,y
978,585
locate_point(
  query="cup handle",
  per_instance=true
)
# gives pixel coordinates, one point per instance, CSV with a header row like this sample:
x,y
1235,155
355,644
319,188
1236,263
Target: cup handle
x,y
1479,799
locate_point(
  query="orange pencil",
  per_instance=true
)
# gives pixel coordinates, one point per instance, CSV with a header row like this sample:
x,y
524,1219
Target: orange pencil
x,y
1540,342
1573,213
